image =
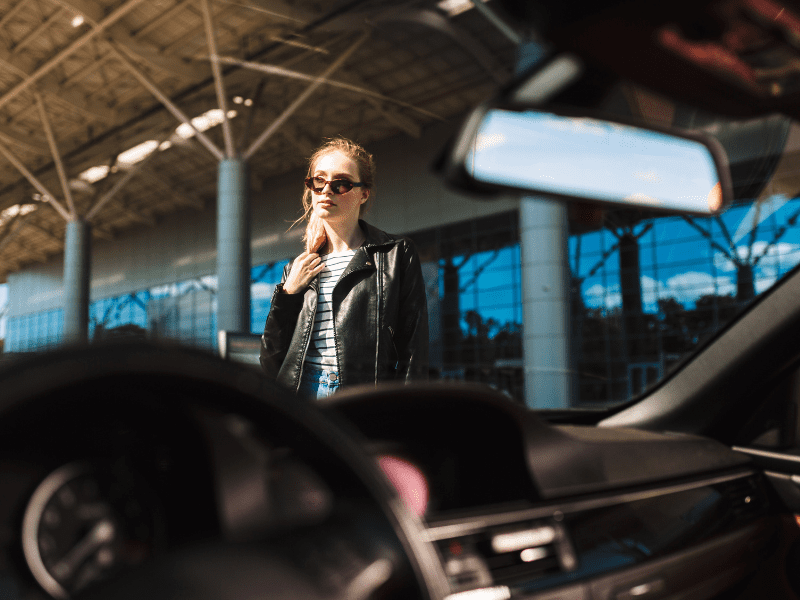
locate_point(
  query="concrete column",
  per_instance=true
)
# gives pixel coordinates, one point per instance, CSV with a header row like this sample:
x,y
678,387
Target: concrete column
x,y
545,303
77,261
233,246
544,249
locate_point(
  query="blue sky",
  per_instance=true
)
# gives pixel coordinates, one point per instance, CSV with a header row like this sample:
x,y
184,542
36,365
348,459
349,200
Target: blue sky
x,y
593,159
676,261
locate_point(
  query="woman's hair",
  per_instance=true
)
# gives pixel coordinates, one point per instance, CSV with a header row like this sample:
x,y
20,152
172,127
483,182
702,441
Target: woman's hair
x,y
366,174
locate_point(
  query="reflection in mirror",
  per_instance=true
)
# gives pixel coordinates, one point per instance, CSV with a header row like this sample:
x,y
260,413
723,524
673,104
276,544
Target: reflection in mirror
x,y
596,160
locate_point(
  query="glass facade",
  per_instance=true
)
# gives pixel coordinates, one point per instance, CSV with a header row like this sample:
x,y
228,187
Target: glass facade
x,y
472,273
645,293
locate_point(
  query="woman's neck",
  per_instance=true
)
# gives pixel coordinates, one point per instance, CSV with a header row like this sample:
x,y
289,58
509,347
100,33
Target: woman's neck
x,y
341,238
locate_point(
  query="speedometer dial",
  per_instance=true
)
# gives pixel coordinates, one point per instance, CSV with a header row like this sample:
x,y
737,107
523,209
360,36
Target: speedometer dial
x,y
81,525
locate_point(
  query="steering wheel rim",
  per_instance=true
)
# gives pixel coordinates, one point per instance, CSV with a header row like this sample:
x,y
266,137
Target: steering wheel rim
x,y
43,378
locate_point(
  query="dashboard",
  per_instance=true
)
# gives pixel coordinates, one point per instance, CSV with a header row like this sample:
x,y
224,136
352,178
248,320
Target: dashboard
x,y
107,474
101,488
524,509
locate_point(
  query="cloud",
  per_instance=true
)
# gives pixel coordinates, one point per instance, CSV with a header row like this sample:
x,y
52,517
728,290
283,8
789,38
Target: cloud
x,y
782,255
686,288
599,296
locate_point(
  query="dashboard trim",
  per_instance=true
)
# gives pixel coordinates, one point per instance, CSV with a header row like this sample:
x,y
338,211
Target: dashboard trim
x,y
451,528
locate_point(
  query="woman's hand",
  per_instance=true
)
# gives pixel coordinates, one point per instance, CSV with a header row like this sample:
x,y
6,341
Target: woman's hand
x,y
304,268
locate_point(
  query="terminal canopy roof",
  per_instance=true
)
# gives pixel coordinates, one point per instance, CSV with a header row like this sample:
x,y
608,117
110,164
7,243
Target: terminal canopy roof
x,y
118,111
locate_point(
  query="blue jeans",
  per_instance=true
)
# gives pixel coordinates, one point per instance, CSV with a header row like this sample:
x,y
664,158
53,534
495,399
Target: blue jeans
x,y
317,383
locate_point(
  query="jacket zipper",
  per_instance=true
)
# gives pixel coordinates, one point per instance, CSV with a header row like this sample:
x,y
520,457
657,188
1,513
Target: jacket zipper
x,y
308,342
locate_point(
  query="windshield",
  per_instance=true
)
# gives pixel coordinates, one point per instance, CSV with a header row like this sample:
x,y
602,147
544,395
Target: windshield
x,y
641,292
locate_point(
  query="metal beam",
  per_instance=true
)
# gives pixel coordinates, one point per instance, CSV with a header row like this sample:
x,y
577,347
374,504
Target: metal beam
x,y
49,65
36,33
219,84
291,74
168,104
282,10
92,13
51,140
14,229
12,136
119,184
46,195
469,43
290,110
502,26
23,66
390,113
13,12
164,17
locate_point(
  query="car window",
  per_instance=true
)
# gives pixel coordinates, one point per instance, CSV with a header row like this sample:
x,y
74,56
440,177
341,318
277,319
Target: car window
x,y
645,291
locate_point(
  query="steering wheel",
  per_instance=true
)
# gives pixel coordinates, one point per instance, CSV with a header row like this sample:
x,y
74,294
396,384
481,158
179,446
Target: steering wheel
x,y
366,544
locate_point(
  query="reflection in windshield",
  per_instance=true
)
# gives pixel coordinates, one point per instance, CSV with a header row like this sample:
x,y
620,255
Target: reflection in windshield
x,y
653,290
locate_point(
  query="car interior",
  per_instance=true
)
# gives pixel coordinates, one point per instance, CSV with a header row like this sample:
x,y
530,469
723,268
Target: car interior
x,y
140,470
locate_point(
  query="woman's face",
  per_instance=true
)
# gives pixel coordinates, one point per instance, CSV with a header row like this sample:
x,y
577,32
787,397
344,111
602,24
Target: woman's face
x,y
337,208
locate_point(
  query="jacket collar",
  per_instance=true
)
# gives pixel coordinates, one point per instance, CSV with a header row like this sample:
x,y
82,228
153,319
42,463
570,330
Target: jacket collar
x,y
375,237
364,258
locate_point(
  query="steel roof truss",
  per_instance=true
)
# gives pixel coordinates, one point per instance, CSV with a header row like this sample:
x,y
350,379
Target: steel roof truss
x,y
56,60
168,104
46,195
51,140
120,183
292,108
219,84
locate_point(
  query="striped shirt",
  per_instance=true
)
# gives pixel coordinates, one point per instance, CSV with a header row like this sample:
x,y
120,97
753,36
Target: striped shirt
x,y
322,349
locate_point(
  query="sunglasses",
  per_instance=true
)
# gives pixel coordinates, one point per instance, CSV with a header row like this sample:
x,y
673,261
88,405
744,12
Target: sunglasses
x,y
339,186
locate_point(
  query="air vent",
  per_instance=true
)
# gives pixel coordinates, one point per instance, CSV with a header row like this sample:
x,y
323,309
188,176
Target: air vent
x,y
745,497
506,555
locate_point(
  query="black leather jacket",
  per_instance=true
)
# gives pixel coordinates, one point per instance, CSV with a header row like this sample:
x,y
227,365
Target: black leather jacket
x,y
380,318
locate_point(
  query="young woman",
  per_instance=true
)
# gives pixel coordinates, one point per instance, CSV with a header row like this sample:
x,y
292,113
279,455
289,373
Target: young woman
x,y
350,309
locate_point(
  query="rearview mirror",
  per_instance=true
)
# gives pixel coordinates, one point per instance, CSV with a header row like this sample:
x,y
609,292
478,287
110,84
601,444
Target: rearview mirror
x,y
590,159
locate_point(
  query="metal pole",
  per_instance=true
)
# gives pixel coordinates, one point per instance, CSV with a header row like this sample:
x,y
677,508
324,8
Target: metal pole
x,y
107,22
219,84
168,104
46,195
233,247
290,110
291,74
504,27
120,183
51,141
76,282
